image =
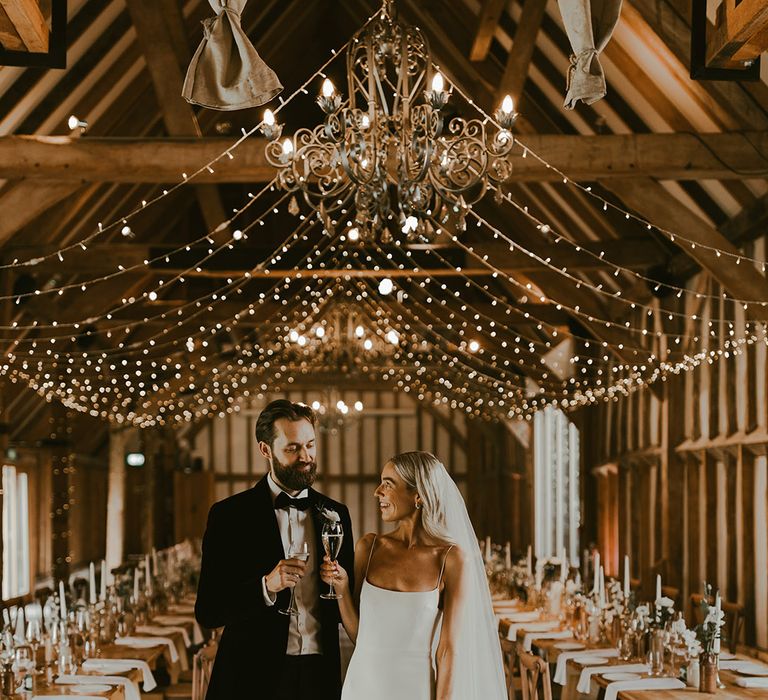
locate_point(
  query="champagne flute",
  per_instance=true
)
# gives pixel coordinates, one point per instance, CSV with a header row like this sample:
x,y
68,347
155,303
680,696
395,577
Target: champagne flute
x,y
333,536
34,635
301,553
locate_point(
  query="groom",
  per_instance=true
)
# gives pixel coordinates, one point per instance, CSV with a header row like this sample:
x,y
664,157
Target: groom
x,y
246,577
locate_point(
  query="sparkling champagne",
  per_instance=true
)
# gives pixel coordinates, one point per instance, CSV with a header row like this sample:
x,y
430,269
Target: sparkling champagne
x,y
332,544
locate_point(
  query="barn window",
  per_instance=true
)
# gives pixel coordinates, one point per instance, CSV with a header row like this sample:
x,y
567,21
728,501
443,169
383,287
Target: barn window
x,y
557,511
15,533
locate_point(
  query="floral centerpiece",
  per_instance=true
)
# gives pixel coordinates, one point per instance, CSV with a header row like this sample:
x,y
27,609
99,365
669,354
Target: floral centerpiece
x,y
708,635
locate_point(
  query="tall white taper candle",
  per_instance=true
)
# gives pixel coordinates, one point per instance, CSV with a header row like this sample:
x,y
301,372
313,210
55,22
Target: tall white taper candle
x,y
626,576
91,584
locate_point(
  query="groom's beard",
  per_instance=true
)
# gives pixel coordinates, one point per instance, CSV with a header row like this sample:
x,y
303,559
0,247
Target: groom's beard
x,y
291,476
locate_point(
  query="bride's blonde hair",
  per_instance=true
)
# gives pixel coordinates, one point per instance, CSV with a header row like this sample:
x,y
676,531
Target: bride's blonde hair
x,y
425,473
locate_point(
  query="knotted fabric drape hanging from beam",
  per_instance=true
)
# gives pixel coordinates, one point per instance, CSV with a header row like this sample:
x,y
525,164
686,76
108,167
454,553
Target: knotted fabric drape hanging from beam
x,y
589,25
226,71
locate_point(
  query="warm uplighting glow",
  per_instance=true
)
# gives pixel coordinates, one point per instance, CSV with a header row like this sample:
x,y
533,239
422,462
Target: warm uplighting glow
x,y
438,84
386,286
328,88
269,117
507,105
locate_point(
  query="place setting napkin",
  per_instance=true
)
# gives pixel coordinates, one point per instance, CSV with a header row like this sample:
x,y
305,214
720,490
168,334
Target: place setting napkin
x,y
119,665
147,642
162,630
130,688
585,679
197,633
557,634
751,681
561,670
613,689
531,627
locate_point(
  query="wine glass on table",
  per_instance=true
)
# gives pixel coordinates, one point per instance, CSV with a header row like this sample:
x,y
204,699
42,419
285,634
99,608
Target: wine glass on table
x,y
333,536
295,552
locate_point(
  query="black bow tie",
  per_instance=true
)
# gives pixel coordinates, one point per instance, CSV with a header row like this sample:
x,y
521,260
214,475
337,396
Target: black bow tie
x,y
283,500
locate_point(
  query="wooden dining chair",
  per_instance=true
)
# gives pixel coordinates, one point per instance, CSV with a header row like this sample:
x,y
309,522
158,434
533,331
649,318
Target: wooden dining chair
x,y
201,669
534,677
734,618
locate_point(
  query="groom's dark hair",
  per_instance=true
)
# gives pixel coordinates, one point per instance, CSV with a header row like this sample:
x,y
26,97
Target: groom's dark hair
x,y
281,408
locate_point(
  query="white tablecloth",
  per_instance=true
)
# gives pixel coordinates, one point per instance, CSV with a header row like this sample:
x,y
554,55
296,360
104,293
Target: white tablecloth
x,y
530,636
561,669
130,688
117,665
585,679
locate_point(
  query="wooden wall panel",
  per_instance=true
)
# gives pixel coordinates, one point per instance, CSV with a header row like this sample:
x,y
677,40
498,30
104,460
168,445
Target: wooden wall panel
x,y
701,509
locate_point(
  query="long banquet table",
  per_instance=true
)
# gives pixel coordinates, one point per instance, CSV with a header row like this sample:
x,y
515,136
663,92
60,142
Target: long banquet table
x,y
525,626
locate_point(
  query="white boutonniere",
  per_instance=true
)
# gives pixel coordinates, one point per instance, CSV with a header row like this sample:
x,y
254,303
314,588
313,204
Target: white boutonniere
x,y
329,514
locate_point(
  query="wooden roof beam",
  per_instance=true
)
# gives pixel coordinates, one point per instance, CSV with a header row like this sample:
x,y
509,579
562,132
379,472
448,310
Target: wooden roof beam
x,y
490,14
676,156
656,204
162,36
740,34
519,59
28,22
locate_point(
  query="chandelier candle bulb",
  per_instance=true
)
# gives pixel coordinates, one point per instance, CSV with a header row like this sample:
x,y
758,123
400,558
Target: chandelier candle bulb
x,y
438,84
269,127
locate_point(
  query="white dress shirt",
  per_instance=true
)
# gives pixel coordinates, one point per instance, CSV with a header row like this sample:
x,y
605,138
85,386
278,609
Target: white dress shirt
x,y
297,527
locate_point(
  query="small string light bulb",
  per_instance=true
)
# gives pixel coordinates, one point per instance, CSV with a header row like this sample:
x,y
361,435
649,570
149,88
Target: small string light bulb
x,y
386,286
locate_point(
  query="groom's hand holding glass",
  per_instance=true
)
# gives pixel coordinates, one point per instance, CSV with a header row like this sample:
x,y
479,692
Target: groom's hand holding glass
x,y
286,574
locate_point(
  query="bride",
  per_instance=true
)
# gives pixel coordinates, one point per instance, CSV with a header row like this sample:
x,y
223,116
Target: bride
x,y
420,615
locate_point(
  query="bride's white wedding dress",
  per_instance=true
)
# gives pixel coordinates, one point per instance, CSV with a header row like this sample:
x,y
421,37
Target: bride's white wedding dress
x,y
396,641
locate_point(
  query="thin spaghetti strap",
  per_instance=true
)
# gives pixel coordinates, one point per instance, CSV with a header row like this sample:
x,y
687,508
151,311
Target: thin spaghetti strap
x,y
370,556
442,568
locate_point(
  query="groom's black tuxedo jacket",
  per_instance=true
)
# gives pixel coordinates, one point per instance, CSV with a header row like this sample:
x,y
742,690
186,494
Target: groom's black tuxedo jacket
x,y
241,545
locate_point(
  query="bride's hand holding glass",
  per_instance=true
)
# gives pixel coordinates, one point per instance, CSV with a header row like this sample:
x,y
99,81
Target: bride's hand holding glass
x,y
331,572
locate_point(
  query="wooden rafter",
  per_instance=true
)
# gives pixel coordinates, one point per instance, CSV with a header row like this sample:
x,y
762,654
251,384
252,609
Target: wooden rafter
x,y
656,204
27,22
102,259
519,59
490,14
160,30
740,33
733,156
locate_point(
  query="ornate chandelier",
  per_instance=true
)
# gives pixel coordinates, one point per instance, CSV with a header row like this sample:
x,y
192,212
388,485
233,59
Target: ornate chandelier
x,y
384,158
